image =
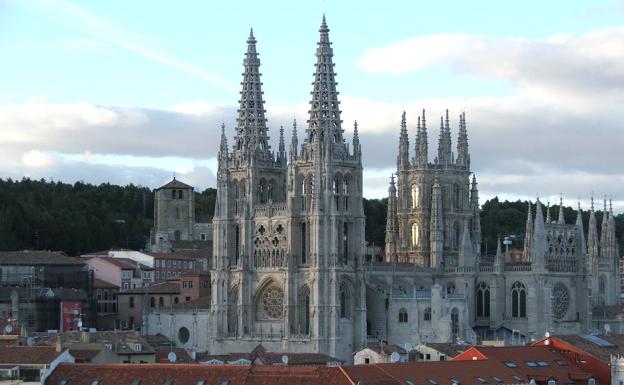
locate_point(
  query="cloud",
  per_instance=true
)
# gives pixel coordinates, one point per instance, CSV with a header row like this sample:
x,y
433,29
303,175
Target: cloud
x,y
37,159
547,68
75,17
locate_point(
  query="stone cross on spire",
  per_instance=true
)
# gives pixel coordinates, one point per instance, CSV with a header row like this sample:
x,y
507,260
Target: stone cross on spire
x,y
251,133
561,219
324,111
357,148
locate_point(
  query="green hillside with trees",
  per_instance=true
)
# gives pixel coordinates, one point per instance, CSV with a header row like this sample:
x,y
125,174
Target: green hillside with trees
x,y
80,218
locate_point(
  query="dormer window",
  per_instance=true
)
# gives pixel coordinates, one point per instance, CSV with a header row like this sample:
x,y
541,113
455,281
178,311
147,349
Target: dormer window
x,y
137,347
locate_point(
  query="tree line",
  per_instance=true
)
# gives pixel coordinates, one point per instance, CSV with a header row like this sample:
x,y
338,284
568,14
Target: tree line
x,y
81,217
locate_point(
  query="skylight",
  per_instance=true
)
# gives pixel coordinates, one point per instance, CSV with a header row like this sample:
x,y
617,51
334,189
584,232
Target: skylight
x,y
497,379
432,381
510,364
517,378
531,364
543,364
409,382
562,363
482,380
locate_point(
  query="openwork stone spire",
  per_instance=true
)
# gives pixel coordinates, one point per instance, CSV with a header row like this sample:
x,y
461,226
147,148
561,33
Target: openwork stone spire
x,y
581,236
281,152
437,226
223,148
538,252
604,231
463,156
528,236
444,142
421,142
561,219
391,222
403,158
324,108
251,134
592,235
294,142
357,148
476,217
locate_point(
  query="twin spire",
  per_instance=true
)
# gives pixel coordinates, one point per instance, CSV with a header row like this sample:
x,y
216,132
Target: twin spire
x,y
252,139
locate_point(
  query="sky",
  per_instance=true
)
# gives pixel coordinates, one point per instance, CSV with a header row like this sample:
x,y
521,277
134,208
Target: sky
x,y
133,92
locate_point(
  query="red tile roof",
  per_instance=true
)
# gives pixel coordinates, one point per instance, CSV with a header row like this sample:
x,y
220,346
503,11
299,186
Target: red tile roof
x,y
24,355
182,357
183,374
536,362
466,372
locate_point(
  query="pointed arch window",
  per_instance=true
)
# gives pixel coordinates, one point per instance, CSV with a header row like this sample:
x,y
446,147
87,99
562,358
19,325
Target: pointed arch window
x,y
415,196
518,300
304,311
415,236
345,301
455,323
304,244
483,300
232,308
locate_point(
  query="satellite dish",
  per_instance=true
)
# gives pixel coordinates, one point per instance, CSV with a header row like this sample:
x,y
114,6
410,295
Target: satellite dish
x,y
172,357
30,341
547,334
408,347
285,359
8,329
395,357
607,328
79,324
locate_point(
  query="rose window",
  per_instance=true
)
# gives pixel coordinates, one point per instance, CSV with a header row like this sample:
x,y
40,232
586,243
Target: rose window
x,y
561,300
272,303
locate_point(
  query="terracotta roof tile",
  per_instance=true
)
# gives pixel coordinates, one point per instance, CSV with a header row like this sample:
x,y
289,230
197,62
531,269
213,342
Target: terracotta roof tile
x,y
190,374
449,349
603,353
37,257
101,284
28,354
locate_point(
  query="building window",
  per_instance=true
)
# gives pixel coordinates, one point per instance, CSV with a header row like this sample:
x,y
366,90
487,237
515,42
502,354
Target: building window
x,y
455,323
176,300
270,303
161,302
202,236
304,246
173,194
345,301
152,302
403,315
304,311
427,314
177,235
345,240
518,300
415,235
131,305
180,194
415,197
483,300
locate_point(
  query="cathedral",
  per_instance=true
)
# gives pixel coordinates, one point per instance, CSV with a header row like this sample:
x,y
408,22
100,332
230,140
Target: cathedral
x,y
289,268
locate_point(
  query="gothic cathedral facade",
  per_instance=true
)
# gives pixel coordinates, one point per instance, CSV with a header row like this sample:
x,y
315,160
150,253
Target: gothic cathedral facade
x,y
289,267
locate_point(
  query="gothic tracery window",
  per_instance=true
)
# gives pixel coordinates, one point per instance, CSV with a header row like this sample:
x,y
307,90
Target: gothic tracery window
x,y
560,300
518,300
271,303
455,322
483,300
